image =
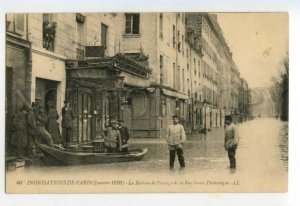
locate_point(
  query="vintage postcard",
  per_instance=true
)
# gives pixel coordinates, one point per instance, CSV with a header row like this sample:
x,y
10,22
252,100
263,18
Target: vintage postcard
x,y
146,102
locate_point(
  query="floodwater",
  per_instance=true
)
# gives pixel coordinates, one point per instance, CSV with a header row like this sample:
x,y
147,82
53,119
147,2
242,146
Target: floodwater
x,y
262,158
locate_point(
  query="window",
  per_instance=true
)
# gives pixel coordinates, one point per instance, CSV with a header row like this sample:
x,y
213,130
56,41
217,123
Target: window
x,y
179,43
183,78
182,41
161,66
174,75
161,22
79,37
49,31
195,72
104,31
174,36
132,24
178,77
20,24
199,68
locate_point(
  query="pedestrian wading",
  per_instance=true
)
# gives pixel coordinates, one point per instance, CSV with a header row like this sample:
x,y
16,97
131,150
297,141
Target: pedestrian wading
x,y
175,137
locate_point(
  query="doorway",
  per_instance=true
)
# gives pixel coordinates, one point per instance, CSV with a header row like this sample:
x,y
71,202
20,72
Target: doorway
x,y
46,92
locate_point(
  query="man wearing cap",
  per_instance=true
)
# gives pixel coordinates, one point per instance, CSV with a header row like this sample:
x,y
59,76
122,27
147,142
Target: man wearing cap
x,y
67,122
231,140
175,137
113,140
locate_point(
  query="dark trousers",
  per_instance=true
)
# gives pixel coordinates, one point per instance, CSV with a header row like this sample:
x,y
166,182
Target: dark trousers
x,y
66,135
31,142
231,156
180,157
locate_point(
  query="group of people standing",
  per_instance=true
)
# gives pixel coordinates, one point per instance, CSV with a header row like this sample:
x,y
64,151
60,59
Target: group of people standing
x,y
32,124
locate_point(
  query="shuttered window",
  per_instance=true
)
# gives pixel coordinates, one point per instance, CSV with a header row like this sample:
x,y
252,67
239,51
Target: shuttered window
x,y
20,24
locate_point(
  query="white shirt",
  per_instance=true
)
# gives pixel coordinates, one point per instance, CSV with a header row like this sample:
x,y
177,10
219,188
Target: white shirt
x,y
175,134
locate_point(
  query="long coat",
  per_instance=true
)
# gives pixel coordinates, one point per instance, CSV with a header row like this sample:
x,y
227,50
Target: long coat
x,y
67,118
53,128
19,139
31,122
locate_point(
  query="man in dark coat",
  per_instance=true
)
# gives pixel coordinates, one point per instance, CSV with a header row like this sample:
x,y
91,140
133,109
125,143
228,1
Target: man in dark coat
x,y
124,134
19,140
67,122
31,128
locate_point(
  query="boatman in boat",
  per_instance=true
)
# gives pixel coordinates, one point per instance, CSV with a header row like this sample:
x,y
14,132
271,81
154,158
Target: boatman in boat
x,y
124,135
113,141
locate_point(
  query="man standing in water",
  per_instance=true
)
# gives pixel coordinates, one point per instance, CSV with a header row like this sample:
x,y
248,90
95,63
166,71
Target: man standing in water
x,y
231,140
175,137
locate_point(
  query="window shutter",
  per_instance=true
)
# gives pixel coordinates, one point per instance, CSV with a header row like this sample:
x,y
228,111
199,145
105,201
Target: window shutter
x,y
20,24
136,24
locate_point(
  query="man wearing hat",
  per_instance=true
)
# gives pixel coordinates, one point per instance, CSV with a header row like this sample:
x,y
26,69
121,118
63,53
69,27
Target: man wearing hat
x,y
67,122
231,140
113,140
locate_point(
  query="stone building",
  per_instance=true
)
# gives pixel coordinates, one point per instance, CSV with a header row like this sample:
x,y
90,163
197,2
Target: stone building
x,y
139,67
18,63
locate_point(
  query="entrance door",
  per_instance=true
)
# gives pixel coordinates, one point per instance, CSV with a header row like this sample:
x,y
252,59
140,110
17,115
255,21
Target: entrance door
x,y
46,92
82,103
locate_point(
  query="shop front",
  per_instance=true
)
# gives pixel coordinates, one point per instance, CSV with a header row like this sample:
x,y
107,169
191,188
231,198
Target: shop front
x,y
95,89
94,95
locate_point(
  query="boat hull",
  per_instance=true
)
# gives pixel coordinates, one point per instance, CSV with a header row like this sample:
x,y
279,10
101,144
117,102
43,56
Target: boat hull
x,y
68,157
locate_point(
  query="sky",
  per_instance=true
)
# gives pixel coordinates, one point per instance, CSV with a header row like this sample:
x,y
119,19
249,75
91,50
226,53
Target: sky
x,y
258,41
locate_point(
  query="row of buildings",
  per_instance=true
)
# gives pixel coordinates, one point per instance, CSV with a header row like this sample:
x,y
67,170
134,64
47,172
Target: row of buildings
x,y
139,67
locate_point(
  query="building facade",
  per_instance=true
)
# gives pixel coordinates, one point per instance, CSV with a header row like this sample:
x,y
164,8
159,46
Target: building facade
x,y
140,67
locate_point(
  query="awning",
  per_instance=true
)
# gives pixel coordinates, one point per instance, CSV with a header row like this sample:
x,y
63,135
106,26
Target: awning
x,y
174,94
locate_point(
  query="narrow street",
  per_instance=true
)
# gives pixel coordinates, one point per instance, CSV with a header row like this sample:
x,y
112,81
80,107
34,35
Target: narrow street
x,y
261,159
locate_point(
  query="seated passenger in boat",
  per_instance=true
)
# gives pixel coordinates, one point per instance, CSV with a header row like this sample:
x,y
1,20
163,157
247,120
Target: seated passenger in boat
x,y
113,141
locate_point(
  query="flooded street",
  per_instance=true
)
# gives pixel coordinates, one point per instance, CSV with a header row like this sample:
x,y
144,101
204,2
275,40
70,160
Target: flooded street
x,y
262,159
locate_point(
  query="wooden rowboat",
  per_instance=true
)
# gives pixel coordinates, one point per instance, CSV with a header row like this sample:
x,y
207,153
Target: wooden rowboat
x,y
77,157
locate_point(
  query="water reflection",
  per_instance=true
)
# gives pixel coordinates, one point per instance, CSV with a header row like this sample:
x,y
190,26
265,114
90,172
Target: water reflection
x,y
203,154
283,143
